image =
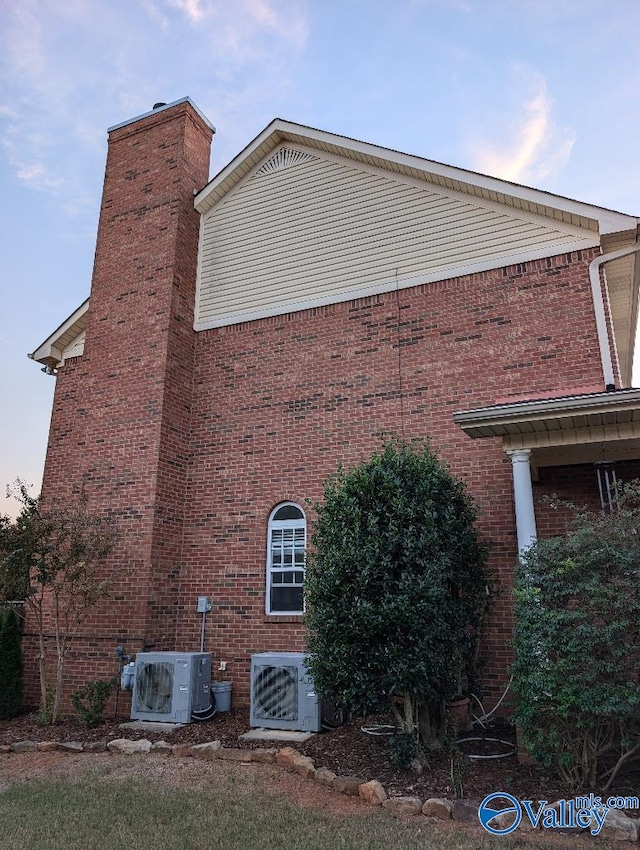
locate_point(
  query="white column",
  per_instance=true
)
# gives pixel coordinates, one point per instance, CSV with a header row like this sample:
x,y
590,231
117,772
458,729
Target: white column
x,y
523,493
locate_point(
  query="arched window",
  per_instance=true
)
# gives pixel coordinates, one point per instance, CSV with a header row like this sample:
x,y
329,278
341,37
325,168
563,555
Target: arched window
x,y
287,540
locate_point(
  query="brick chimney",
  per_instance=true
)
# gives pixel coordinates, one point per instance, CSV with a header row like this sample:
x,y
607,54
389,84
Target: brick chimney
x,y
124,438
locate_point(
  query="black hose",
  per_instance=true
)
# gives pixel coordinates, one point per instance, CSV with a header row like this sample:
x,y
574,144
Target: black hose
x,y
206,713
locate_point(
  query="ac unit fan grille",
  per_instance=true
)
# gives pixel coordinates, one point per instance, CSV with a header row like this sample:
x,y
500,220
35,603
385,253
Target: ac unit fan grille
x,y
275,693
154,687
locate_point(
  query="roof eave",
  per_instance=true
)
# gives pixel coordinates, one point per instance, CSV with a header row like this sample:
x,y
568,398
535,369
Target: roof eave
x,y
503,419
49,352
608,221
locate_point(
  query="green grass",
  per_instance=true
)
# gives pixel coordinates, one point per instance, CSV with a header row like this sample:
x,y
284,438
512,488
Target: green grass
x,y
97,811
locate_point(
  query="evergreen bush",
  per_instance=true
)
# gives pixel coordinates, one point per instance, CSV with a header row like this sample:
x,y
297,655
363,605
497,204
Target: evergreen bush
x,y
396,590
11,682
577,644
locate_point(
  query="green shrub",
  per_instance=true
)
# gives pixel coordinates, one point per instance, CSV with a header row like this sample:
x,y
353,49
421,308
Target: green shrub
x,y
577,642
11,683
402,749
90,701
396,589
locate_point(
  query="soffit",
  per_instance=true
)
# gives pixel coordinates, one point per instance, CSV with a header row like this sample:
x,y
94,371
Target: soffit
x,y
570,420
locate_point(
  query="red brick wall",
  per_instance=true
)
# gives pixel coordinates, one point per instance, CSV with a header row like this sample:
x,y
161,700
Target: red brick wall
x,y
121,413
280,402
576,485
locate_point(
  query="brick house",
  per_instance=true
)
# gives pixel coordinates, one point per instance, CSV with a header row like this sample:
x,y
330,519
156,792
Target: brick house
x,y
246,335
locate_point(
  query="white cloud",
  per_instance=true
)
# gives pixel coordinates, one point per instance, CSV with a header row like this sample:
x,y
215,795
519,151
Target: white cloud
x,y
36,175
240,27
193,9
532,147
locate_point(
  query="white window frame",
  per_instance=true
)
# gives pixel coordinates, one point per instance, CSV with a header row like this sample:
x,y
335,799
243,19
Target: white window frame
x,y
278,525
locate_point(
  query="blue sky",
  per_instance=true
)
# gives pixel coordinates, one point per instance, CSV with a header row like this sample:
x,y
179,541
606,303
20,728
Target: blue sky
x,y
542,92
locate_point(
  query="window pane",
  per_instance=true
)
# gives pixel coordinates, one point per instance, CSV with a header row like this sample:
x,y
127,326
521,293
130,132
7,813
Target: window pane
x,y
288,512
287,543
288,599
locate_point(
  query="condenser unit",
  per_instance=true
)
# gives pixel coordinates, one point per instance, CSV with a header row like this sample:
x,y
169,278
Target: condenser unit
x,y
282,693
170,687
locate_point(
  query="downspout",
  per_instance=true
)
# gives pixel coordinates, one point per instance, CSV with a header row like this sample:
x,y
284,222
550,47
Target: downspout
x,y
598,306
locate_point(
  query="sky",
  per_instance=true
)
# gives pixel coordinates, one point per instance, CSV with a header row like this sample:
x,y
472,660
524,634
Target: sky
x,y
540,92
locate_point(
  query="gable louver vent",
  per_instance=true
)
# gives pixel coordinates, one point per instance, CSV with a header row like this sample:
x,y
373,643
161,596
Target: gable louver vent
x,y
284,158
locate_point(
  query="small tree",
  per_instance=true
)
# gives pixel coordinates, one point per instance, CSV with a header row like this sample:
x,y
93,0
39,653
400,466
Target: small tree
x,y
396,589
577,644
63,553
11,684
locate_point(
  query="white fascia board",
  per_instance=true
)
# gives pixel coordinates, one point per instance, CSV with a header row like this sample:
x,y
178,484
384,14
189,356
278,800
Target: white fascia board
x,y
49,349
203,201
393,284
609,221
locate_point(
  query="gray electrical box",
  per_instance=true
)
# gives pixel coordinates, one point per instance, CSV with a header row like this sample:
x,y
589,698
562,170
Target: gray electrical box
x,y
204,604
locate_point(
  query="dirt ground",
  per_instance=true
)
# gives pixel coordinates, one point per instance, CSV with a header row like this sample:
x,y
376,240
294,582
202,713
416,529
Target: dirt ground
x,y
347,750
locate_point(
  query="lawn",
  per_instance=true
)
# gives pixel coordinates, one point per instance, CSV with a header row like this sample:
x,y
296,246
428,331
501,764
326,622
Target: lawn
x,y
111,813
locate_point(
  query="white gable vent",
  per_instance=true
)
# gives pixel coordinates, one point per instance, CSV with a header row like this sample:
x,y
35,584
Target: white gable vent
x,y
284,158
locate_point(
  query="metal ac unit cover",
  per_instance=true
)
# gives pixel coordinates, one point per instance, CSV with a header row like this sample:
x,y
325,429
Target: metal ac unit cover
x,y
282,693
169,686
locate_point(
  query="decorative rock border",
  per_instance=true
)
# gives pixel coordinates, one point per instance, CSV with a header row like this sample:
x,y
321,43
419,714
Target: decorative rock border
x,y
620,827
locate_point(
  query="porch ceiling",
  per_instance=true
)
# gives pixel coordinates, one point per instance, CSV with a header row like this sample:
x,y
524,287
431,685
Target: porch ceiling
x,y
579,420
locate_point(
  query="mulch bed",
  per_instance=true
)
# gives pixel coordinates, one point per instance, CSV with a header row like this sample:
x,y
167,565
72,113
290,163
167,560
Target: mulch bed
x,y
346,750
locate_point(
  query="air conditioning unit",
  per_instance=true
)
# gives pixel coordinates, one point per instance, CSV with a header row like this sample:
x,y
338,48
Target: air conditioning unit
x,y
282,693
169,687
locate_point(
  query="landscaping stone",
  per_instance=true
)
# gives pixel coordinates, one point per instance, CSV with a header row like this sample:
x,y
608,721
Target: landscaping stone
x,y
24,747
619,827
161,747
70,747
507,819
372,792
5,748
305,767
349,785
207,752
125,745
466,811
47,746
233,754
325,776
437,807
287,756
182,750
95,747
403,805
264,755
